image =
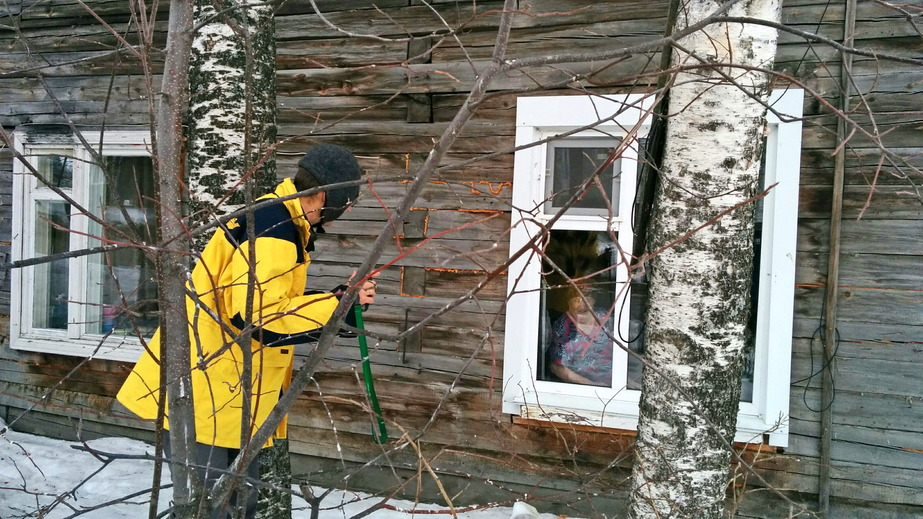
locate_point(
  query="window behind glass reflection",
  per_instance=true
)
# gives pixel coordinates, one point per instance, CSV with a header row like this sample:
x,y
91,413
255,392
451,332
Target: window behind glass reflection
x,y
123,288
570,163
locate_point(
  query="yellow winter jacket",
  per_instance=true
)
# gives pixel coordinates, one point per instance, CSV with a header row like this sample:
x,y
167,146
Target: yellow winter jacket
x,y
282,316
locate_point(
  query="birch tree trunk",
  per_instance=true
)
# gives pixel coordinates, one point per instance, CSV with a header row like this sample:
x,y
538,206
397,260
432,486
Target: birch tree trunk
x,y
232,132
699,288
232,123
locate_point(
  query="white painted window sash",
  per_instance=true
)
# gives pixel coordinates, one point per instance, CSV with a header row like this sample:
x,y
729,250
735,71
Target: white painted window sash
x,y
543,117
27,191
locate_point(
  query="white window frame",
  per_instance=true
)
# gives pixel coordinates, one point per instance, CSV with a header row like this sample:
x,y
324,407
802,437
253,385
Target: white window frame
x,y
26,191
541,118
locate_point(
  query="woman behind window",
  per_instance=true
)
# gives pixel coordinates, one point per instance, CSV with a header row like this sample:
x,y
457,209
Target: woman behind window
x,y
580,350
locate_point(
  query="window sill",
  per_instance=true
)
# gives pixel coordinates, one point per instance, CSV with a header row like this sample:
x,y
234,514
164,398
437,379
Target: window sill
x,y
626,437
123,349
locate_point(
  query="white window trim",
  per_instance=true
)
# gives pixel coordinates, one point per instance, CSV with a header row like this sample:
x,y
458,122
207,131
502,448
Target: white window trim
x,y
64,342
542,117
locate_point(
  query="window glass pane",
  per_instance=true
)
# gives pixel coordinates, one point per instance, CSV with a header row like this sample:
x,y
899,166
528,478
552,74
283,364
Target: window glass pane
x,y
570,163
578,294
635,339
57,170
49,300
122,283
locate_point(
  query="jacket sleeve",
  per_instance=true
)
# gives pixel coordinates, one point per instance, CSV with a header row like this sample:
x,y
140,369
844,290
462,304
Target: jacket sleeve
x,y
281,314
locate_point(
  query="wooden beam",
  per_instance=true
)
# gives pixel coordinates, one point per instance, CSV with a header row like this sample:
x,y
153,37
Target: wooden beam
x,y
833,274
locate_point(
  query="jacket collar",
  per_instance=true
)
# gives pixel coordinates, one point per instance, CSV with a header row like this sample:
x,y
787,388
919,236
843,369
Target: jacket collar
x,y
287,188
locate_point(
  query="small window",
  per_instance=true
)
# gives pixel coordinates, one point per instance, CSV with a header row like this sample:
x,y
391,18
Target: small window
x,y
95,304
573,162
572,306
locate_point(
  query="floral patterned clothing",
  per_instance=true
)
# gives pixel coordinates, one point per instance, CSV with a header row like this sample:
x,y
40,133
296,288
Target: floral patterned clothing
x,y
589,357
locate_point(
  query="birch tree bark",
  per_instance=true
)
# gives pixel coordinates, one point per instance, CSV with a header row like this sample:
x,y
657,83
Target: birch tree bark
x,y
699,288
232,122
231,159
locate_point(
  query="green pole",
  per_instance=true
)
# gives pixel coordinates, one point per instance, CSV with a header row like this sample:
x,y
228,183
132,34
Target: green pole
x,y
382,435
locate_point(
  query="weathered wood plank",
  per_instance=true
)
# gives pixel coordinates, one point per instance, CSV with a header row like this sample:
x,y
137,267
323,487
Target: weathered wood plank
x,y
78,89
338,53
456,224
885,202
421,20
858,374
866,270
761,504
851,480
47,370
860,408
470,484
54,425
901,128
67,35
54,64
871,447
121,112
900,307
419,406
879,92
458,342
439,253
873,20
449,77
51,9
389,316
454,347
323,111
860,332
396,23
74,405
480,199
589,450
441,370
497,106
896,352
11,8
864,166
601,35
893,237
286,7
449,283
409,139
576,12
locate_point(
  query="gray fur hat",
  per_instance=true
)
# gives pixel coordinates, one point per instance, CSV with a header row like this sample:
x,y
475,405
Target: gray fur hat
x,y
332,164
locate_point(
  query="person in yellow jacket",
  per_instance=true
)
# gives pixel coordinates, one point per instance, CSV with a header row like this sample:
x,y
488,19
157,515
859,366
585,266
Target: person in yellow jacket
x,y
282,314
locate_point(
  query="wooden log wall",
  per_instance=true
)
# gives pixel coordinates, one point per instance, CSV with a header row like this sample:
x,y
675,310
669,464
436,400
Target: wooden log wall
x,y
877,438
388,100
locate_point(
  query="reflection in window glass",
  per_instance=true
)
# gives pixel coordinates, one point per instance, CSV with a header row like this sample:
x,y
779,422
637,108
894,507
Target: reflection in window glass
x,y
122,283
56,170
570,163
577,308
635,339
49,302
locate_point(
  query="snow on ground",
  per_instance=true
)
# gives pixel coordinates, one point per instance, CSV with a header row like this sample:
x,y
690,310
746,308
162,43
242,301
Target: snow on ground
x,y
35,470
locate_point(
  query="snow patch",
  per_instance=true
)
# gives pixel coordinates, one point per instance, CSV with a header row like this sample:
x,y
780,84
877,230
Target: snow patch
x,y
35,470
